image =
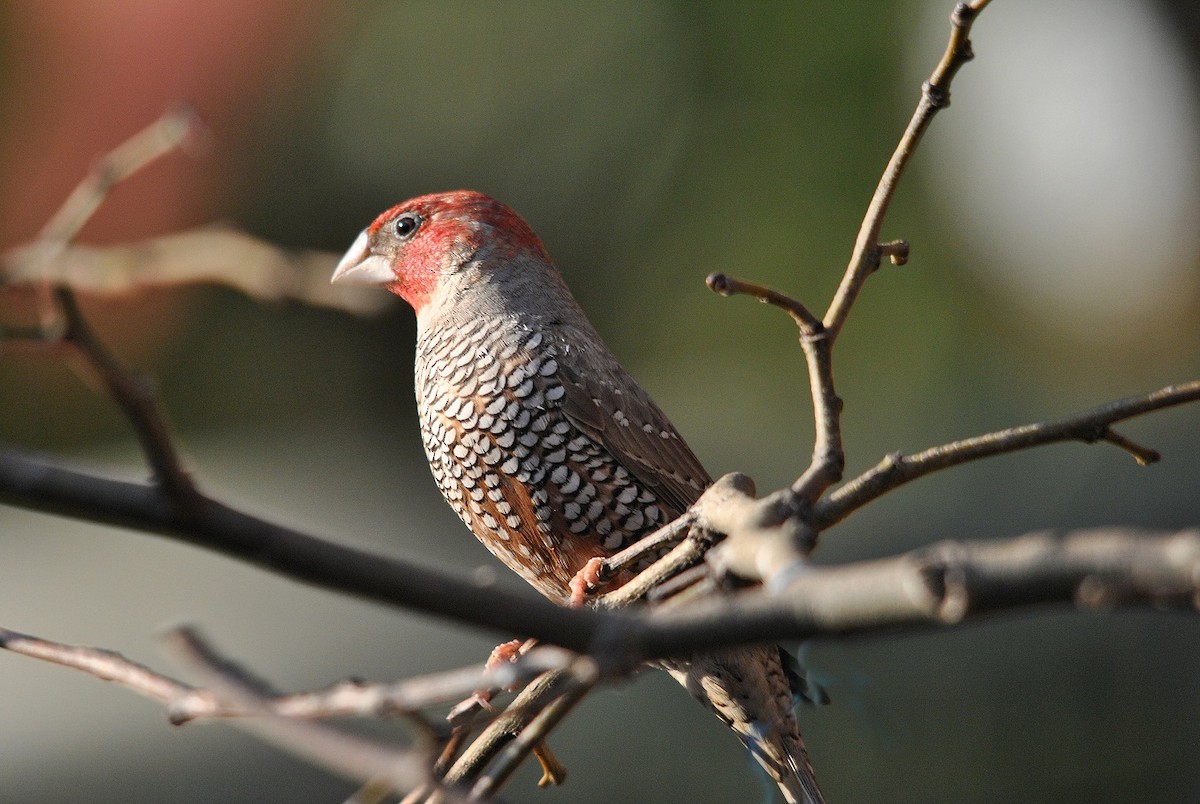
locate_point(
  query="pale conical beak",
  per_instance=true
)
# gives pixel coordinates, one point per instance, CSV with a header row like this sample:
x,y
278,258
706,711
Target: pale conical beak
x,y
361,267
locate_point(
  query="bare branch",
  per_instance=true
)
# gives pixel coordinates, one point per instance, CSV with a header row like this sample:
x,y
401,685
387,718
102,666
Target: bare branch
x,y
685,554
132,393
647,546
828,458
817,336
935,95
345,754
164,135
583,675
108,665
726,285
615,638
703,524
135,395
943,585
185,702
212,254
1143,455
40,485
1090,426
523,710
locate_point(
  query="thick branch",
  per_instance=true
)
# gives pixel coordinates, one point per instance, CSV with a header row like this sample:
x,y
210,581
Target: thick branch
x,y
945,584
39,485
618,639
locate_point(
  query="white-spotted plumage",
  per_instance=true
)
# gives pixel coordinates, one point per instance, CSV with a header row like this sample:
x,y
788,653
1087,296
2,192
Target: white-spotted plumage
x,y
507,429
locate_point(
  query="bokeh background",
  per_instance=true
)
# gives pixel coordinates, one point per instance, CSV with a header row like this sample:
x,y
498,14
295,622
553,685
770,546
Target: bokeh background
x,y
1053,217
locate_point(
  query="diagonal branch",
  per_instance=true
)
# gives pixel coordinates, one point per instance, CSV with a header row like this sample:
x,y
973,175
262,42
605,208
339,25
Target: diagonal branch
x,y
399,768
185,702
935,95
1090,426
108,665
582,676
519,716
41,485
134,394
175,128
946,584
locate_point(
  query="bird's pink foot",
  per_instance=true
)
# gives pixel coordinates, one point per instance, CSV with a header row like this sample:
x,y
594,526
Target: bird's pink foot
x,y
502,654
507,653
587,579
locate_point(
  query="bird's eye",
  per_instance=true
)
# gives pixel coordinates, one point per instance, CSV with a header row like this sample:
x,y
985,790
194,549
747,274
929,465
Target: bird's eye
x,y
407,224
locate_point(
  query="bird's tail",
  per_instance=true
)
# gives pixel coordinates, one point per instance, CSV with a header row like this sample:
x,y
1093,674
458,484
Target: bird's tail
x,y
748,688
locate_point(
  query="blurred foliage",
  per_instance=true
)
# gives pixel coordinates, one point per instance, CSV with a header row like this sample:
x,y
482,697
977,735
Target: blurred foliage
x,y
649,145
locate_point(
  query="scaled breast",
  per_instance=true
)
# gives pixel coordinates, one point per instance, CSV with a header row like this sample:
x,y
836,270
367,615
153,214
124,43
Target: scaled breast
x,y
541,495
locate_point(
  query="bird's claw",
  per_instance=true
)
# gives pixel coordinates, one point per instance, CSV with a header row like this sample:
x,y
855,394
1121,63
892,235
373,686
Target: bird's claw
x,y
507,653
553,771
502,654
585,581
480,699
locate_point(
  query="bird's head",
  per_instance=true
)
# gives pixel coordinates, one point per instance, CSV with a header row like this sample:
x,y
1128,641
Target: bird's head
x,y
415,248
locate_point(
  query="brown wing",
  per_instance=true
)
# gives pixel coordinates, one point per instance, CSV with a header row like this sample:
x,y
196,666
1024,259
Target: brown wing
x,y
607,404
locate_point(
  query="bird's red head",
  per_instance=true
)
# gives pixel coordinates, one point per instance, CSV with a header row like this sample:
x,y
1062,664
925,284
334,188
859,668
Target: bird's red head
x,y
411,246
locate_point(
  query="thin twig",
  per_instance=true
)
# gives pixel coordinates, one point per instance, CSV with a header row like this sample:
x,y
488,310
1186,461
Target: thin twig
x,y
583,674
647,546
683,555
828,457
698,521
1143,455
108,665
725,285
214,254
164,135
935,95
133,394
505,728
185,702
346,754
895,250
1089,426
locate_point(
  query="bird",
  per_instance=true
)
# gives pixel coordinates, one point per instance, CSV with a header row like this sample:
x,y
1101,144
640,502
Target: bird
x,y
544,445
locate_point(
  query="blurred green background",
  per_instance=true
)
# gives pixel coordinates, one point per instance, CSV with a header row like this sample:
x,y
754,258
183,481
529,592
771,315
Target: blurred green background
x,y
1052,213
